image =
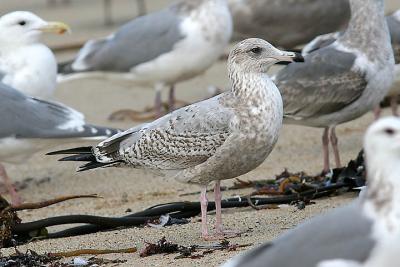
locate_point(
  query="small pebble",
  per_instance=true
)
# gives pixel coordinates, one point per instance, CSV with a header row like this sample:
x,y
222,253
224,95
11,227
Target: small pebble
x,y
80,262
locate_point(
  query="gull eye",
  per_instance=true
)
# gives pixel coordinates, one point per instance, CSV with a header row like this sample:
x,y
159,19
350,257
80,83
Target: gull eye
x,y
256,50
389,131
22,23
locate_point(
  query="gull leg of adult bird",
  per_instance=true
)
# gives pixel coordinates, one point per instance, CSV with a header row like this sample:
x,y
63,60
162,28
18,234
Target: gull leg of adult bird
x,y
158,101
15,198
147,114
325,149
394,105
171,99
141,7
334,142
377,112
107,13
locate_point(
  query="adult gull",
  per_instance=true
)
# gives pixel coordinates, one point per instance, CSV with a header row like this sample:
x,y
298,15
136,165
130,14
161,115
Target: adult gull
x,y
393,22
209,141
343,80
351,232
26,64
394,27
29,125
159,49
288,23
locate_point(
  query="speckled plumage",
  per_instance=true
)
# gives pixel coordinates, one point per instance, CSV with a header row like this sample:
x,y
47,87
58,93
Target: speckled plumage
x,y
219,138
216,139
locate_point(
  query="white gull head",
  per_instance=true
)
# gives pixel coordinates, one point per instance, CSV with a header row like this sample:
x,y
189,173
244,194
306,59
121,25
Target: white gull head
x,y
24,28
382,151
257,55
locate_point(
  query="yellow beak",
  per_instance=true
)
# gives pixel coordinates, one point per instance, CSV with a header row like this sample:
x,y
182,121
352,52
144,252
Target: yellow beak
x,y
55,27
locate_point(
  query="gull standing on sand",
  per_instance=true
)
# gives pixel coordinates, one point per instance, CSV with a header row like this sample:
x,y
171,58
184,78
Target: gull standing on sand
x,y
393,22
28,125
209,141
287,23
353,232
341,81
159,49
25,63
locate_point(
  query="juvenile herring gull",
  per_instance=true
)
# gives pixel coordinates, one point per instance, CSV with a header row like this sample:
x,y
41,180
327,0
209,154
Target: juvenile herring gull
x,y
159,49
352,232
287,23
343,80
25,63
28,125
212,140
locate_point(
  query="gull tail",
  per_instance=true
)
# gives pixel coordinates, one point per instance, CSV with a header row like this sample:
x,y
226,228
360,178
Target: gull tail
x,y
83,154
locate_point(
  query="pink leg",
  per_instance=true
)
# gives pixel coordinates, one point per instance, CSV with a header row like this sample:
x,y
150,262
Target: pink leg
x,y
334,142
218,210
219,229
15,198
171,99
204,203
394,106
377,112
157,104
325,149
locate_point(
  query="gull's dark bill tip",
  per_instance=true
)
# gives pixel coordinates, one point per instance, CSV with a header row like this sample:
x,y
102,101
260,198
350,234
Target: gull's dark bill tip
x,y
298,57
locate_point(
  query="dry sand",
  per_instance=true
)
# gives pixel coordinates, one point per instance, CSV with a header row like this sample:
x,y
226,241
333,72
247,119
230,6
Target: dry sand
x,y
298,149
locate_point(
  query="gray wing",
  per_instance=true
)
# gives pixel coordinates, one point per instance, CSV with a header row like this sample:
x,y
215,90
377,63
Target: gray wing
x,y
141,40
184,138
344,233
320,42
26,117
394,28
323,84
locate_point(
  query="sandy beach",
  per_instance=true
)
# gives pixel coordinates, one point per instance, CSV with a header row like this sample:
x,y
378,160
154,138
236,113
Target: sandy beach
x,y
298,149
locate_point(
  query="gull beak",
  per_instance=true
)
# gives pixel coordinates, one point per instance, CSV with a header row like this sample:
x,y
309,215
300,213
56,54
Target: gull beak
x,y
288,57
55,27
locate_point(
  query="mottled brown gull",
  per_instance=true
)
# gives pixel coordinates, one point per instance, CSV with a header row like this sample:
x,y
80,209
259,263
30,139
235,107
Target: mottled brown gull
x,y
27,64
216,139
287,23
355,232
28,125
159,49
341,81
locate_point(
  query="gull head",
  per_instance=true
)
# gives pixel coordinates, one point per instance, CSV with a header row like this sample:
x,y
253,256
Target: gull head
x,y
382,149
257,55
383,139
22,28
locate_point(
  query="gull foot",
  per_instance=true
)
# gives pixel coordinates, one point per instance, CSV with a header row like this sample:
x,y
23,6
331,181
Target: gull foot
x,y
148,114
15,197
221,235
132,115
